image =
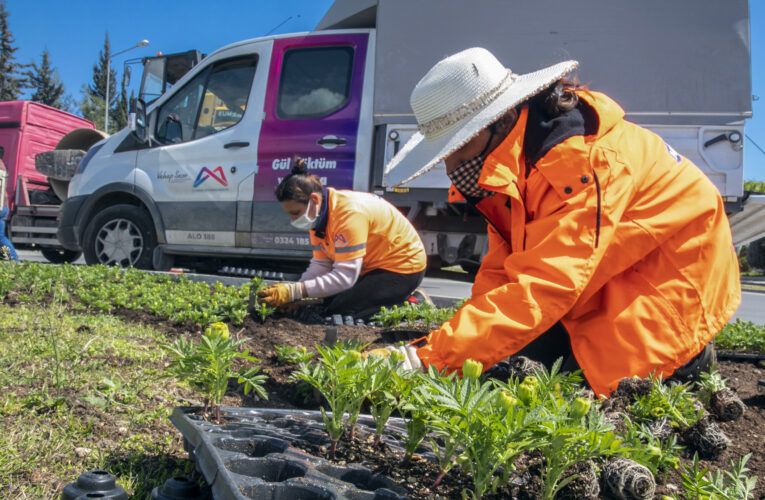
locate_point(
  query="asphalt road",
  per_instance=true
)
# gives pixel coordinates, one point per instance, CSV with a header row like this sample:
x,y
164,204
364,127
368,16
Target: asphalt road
x,y
447,288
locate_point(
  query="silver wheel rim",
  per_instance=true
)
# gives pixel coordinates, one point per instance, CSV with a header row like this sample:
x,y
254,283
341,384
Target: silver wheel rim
x,y
119,243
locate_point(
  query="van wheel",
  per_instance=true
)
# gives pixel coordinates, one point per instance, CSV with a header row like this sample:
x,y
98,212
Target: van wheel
x,y
121,235
60,255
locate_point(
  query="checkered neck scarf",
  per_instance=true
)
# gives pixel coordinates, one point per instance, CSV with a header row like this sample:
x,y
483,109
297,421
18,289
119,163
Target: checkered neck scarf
x,y
465,178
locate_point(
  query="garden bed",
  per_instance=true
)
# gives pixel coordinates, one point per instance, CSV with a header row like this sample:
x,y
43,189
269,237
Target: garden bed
x,y
87,386
746,434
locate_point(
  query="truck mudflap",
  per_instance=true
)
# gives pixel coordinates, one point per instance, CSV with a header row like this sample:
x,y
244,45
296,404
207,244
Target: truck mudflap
x,y
68,232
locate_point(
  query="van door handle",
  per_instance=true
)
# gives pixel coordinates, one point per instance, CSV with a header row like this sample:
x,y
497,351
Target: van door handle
x,y
236,144
331,142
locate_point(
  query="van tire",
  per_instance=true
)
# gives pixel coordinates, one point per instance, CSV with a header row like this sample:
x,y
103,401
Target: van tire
x,y
60,255
120,235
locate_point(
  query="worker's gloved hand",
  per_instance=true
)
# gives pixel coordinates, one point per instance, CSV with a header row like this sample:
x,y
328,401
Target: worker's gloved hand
x,y
288,308
280,294
406,353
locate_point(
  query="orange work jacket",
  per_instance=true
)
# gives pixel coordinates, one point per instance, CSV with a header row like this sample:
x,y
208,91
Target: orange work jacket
x,y
353,224
615,235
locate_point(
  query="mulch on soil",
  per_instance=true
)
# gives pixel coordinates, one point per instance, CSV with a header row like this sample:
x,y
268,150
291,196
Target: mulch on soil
x,y
746,434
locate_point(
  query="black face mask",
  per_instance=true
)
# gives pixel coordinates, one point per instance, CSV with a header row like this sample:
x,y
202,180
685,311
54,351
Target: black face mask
x,y
465,176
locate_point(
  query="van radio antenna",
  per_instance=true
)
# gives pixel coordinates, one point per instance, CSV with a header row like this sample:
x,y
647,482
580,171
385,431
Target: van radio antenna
x,y
278,25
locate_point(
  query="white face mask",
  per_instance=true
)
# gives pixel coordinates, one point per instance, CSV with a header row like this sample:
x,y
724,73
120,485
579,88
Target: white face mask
x,y
303,222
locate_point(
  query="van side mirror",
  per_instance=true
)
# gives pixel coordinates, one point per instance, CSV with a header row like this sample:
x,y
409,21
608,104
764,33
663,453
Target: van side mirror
x,y
137,120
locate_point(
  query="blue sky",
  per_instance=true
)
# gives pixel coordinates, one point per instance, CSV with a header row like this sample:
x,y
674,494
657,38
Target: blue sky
x,y
73,32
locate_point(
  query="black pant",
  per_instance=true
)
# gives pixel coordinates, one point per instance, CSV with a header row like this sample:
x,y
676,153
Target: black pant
x,y
547,348
555,343
372,291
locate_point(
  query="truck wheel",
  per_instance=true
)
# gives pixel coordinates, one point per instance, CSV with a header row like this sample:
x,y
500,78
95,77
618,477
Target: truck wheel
x,y
60,255
121,235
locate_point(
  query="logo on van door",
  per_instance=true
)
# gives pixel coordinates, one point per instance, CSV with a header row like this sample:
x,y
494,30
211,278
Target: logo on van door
x,y
216,174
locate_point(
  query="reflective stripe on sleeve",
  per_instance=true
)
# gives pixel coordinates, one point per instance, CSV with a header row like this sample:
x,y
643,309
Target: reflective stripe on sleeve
x,y
349,249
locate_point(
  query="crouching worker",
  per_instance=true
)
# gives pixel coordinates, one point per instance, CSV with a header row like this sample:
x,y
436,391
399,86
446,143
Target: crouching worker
x,y
606,247
366,254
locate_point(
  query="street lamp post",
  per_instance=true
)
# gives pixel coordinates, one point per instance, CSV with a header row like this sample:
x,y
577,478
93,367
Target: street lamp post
x,y
142,43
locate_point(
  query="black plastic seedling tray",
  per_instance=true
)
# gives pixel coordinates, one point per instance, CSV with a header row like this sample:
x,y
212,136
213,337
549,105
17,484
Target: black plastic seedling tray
x,y
251,456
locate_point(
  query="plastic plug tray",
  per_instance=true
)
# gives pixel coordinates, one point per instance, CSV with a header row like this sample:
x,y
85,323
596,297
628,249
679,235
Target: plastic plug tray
x,y
251,456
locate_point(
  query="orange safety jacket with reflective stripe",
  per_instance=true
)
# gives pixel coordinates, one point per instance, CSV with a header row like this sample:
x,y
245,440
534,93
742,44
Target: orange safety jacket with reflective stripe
x,y
612,233
352,224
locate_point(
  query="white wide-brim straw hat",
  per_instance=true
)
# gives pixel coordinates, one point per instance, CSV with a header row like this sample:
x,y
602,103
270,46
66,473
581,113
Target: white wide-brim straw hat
x,y
460,96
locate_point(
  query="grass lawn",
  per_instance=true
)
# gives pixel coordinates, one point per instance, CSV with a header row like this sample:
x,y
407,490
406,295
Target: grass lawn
x,y
82,392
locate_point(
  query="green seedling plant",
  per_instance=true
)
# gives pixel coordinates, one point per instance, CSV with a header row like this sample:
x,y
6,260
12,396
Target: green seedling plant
x,y
413,408
382,394
443,420
102,288
207,366
426,315
709,383
741,336
336,375
567,428
262,311
389,317
289,355
700,484
659,455
568,442
674,402
487,426
366,368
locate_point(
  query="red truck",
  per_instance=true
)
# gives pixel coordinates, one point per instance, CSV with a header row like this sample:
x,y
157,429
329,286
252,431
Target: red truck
x,y
26,129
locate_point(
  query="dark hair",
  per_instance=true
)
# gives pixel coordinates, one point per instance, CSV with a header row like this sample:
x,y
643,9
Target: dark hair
x,y
559,98
299,184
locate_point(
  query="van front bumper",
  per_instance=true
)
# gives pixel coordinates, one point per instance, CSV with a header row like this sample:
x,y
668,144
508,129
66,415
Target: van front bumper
x,y
69,230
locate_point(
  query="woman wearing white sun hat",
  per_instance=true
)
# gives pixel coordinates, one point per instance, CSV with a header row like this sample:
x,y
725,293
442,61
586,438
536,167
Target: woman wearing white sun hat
x,y
606,247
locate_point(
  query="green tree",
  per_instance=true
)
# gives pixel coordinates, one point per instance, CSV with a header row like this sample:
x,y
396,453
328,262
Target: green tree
x,y
92,105
45,81
120,111
11,81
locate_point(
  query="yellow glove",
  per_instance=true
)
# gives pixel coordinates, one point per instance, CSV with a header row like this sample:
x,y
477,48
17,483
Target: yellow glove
x,y
280,294
407,353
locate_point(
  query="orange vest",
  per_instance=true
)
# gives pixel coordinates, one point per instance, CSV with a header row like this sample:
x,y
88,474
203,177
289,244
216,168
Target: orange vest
x,y
365,225
613,234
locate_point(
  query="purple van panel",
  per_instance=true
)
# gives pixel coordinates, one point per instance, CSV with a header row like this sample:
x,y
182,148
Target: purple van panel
x,y
282,139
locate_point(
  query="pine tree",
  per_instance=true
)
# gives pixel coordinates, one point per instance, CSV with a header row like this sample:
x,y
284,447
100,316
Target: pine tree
x,y
92,105
11,83
45,81
120,111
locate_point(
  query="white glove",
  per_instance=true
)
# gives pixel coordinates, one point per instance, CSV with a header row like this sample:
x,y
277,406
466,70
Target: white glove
x,y
408,354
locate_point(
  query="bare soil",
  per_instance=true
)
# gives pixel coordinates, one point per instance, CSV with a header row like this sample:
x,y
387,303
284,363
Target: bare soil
x,y
746,434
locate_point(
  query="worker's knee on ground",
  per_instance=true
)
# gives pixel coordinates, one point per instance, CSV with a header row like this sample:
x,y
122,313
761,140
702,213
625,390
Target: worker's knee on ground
x,y
702,362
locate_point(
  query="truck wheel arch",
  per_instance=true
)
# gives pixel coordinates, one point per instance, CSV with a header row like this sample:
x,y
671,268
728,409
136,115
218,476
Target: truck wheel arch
x,y
120,193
